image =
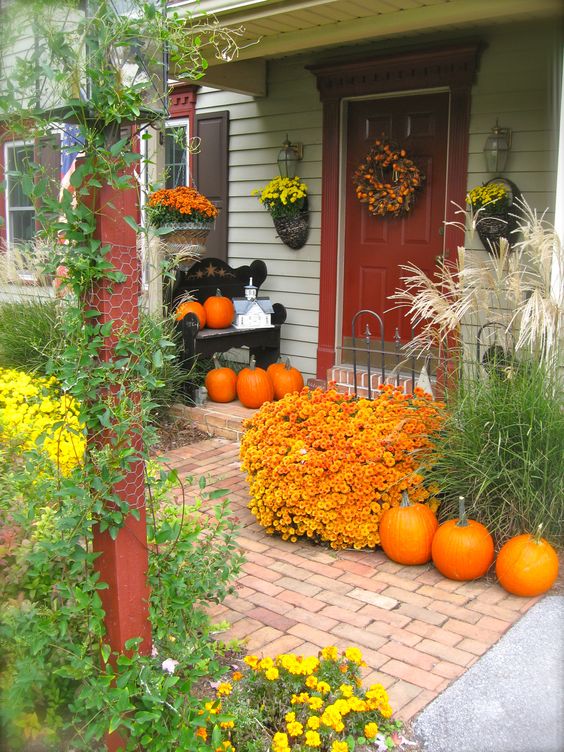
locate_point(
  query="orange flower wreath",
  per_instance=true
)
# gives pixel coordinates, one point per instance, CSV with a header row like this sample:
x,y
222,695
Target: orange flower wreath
x,y
386,180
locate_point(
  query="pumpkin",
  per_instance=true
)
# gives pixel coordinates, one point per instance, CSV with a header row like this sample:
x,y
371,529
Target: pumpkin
x,y
462,549
285,379
191,306
406,532
219,311
527,565
254,386
221,383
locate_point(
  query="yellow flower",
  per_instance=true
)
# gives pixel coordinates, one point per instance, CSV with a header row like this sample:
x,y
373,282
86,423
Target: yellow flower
x,y
323,687
312,739
289,717
311,682
252,661
272,674
346,690
280,742
225,688
294,728
330,653
313,722
338,746
370,730
354,655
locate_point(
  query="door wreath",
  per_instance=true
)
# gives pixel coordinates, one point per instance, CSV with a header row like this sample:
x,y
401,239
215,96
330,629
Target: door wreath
x,y
386,180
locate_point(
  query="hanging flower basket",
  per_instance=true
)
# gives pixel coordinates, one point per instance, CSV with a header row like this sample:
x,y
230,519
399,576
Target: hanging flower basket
x,y
285,199
293,231
183,239
496,215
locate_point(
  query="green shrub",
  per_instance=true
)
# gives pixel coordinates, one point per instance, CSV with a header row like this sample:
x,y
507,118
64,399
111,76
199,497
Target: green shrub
x,y
30,334
501,448
32,337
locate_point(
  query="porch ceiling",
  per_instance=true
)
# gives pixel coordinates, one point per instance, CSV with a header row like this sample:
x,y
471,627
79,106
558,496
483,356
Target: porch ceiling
x,y
269,29
273,28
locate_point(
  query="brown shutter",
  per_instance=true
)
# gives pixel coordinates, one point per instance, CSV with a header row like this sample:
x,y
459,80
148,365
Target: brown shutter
x,y
211,174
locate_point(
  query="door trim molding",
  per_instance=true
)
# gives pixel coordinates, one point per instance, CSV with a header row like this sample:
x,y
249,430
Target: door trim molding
x,y
453,68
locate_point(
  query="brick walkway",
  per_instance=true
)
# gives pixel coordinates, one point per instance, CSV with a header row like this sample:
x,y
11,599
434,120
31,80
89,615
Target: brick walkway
x,y
417,630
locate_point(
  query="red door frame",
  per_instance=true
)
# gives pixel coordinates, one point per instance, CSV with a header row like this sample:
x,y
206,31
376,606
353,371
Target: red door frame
x,y
450,68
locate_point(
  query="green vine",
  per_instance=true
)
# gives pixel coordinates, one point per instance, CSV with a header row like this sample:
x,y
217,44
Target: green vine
x,y
59,682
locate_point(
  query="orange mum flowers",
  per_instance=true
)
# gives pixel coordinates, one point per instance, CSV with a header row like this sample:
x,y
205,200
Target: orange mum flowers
x,y
326,466
181,204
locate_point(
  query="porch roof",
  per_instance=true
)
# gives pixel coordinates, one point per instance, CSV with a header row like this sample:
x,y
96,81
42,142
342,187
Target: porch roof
x,y
275,28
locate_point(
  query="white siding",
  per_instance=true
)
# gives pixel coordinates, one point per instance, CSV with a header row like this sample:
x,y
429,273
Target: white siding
x,y
513,85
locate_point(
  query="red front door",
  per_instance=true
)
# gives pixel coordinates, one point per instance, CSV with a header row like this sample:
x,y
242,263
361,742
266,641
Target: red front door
x,y
375,246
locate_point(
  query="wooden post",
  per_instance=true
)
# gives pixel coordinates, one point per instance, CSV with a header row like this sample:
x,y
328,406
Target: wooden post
x,y
123,562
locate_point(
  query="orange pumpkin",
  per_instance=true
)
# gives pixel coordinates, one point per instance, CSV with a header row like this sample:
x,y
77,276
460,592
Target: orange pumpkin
x,y
527,565
406,532
221,383
191,306
285,379
254,386
219,311
462,549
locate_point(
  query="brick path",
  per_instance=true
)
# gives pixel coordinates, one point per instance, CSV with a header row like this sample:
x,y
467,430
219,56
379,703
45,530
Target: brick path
x,y
417,630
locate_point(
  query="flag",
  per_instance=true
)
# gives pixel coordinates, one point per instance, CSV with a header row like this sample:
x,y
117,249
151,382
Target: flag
x,y
71,146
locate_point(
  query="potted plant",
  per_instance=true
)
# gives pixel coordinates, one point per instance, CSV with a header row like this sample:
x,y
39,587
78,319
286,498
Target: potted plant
x,y
184,216
285,199
491,206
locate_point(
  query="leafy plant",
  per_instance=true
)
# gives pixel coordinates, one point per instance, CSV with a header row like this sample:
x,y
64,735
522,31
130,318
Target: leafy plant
x,y
501,448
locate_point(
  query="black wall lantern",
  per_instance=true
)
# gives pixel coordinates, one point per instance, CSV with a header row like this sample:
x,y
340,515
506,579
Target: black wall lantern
x,y
288,158
496,149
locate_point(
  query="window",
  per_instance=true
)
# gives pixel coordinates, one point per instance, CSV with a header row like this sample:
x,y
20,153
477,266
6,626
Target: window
x,y
20,213
176,153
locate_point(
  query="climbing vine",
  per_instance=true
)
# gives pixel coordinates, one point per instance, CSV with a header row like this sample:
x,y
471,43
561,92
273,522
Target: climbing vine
x,y
59,681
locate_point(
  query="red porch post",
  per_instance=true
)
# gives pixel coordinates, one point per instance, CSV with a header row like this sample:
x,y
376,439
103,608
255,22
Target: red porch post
x,y
123,562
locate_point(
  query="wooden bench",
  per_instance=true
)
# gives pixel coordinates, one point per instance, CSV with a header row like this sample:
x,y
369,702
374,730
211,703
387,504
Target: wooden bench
x,y
202,280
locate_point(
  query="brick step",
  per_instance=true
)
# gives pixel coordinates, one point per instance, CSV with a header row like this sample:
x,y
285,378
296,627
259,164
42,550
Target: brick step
x,y
343,376
216,418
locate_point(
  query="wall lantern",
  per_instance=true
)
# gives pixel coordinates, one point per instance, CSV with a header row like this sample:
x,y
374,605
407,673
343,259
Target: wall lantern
x,y
496,149
53,74
288,158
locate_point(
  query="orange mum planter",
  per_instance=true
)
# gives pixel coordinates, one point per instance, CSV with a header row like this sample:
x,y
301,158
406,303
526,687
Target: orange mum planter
x,y
462,549
407,531
527,565
325,466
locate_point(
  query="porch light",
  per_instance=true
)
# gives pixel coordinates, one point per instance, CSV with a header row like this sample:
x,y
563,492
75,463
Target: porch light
x,y
496,149
288,158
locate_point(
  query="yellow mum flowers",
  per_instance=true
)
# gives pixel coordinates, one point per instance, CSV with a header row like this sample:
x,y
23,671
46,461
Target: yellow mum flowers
x,y
34,414
303,703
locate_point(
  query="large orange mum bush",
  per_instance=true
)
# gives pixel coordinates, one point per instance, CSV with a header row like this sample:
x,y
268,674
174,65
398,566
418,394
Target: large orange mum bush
x,y
325,465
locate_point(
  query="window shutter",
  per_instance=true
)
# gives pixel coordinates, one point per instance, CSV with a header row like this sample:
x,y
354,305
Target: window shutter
x,y
211,174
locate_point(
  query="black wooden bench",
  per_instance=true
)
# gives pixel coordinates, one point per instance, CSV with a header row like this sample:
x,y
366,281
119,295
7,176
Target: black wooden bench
x,y
202,280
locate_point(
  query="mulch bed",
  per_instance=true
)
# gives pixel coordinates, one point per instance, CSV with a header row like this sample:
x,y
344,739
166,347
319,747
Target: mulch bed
x,y
177,432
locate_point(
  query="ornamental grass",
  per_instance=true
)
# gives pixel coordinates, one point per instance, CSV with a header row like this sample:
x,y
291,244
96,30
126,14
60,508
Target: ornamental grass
x,y
326,466
295,703
35,415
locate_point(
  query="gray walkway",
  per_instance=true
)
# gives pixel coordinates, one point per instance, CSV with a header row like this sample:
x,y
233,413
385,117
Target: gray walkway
x,y
512,699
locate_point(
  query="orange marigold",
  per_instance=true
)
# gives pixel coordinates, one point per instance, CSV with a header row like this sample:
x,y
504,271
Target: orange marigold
x,y
325,466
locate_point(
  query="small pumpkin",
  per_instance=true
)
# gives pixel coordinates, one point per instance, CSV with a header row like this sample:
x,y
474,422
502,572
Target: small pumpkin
x,y
219,311
221,383
527,565
285,378
254,386
191,306
462,549
406,532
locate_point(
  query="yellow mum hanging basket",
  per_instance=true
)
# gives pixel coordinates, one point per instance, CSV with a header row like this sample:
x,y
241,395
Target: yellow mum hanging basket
x,y
386,180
